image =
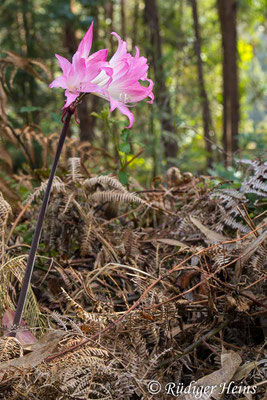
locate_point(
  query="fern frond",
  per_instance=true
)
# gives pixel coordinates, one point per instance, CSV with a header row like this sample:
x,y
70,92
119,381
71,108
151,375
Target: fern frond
x,y
104,180
87,239
115,196
84,315
10,348
15,268
5,210
58,185
74,169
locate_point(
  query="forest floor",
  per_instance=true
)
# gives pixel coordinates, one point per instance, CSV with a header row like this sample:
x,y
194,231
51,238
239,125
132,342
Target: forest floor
x,y
136,293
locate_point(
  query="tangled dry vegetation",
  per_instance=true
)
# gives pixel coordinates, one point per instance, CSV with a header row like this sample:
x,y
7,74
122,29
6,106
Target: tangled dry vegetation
x,y
134,285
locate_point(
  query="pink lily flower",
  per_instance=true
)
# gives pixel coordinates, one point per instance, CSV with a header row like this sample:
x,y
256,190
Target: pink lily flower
x,y
77,76
117,80
124,89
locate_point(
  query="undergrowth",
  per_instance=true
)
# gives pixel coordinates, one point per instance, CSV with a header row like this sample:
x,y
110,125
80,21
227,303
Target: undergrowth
x,y
133,285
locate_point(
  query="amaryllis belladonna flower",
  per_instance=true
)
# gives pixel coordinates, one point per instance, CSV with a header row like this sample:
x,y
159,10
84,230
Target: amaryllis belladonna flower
x,y
117,80
78,76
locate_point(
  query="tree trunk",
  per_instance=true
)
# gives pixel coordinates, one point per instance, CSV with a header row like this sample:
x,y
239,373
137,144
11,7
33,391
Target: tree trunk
x,y
227,15
30,85
206,115
123,20
162,96
109,14
135,23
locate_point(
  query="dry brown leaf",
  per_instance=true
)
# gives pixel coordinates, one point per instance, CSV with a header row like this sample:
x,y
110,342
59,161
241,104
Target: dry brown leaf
x,y
40,350
178,329
172,242
183,281
214,383
245,369
212,236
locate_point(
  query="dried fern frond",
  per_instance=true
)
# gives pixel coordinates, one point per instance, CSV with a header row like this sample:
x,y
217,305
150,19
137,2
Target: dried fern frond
x,y
58,185
15,268
115,196
256,183
88,235
10,348
5,210
74,169
94,318
104,180
25,64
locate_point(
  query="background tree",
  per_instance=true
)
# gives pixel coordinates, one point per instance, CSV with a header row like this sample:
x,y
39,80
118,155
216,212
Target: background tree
x,y
162,94
196,85
206,114
228,16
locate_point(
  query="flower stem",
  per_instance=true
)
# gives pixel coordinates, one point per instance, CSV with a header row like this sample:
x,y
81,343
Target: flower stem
x,y
39,225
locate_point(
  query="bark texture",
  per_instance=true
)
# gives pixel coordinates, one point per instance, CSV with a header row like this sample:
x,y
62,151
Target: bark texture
x,y
161,93
206,114
227,15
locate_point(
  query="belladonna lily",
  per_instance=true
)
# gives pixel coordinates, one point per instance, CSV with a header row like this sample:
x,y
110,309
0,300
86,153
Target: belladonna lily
x,y
118,82
124,89
78,76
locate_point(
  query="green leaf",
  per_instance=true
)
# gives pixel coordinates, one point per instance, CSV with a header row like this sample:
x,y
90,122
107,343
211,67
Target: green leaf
x,y
123,177
125,134
94,114
125,148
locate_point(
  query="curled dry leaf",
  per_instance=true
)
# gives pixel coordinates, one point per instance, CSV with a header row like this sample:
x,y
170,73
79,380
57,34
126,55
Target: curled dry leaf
x,y
230,362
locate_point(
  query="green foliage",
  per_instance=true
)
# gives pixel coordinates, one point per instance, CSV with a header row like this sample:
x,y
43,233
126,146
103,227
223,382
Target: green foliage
x,y
39,29
29,109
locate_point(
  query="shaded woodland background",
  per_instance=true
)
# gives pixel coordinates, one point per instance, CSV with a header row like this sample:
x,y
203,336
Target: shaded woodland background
x,y
152,261
207,60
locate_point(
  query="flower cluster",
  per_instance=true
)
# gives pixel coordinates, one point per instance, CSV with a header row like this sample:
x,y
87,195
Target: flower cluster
x,y
116,80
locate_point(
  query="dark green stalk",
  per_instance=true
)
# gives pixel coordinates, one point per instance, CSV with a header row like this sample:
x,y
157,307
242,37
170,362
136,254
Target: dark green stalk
x,y
38,230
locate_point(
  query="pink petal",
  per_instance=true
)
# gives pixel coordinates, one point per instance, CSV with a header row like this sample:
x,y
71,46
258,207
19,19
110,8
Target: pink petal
x,y
100,55
109,72
91,88
64,64
151,94
86,43
79,66
113,104
121,50
124,110
59,82
93,69
71,97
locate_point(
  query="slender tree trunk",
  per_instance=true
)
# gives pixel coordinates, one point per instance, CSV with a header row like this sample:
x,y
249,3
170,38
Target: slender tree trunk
x,y
162,95
135,23
109,13
28,27
227,15
123,20
206,115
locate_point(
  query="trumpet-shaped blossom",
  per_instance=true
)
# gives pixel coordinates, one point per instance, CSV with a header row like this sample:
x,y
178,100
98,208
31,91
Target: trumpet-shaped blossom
x,y
124,89
117,80
77,76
